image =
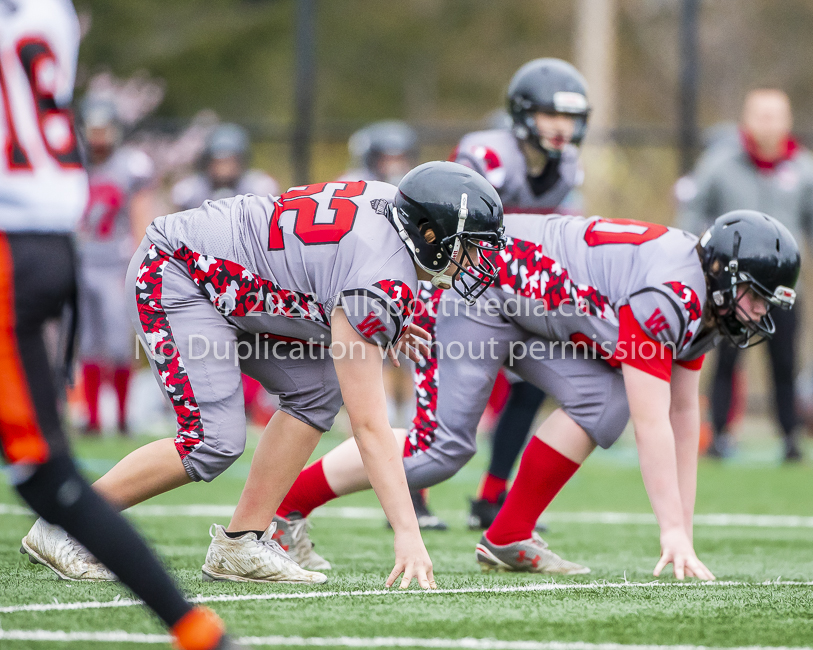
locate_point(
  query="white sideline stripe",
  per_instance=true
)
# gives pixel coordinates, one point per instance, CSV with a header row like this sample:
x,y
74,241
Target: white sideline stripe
x,y
306,595
622,518
360,642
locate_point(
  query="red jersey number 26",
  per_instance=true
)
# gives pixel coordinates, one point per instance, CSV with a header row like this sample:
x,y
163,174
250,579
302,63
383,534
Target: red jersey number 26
x,y
622,231
335,217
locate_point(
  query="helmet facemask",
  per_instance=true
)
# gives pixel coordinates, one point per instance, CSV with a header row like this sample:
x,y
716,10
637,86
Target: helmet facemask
x,y
467,277
733,320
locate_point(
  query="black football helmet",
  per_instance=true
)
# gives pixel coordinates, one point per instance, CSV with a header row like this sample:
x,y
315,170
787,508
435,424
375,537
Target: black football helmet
x,y
463,211
745,247
547,86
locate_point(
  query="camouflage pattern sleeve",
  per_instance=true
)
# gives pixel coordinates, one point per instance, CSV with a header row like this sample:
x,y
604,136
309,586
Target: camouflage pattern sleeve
x,y
381,312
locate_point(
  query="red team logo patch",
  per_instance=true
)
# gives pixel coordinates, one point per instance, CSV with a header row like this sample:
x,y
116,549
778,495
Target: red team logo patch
x,y
656,323
371,325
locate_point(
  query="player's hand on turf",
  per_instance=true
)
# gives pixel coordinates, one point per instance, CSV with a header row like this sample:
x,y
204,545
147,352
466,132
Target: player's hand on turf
x,y
676,549
414,343
412,559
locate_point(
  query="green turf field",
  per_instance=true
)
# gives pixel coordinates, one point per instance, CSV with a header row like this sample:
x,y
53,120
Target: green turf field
x,y
609,606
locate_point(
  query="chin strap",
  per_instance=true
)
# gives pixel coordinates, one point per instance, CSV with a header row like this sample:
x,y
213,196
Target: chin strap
x,y
438,277
443,279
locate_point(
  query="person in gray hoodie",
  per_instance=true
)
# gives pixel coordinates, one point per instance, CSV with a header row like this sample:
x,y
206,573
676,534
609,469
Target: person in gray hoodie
x,y
767,170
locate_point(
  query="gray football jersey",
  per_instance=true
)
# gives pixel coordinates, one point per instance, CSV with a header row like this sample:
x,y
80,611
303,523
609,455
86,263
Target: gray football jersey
x,y
105,231
192,191
496,155
566,278
279,266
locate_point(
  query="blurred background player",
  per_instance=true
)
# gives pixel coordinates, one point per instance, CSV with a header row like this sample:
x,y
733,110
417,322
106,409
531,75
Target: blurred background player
x,y
533,162
120,207
382,151
43,191
224,171
765,170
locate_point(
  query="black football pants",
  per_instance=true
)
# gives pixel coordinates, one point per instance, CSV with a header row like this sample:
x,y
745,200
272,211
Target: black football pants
x,y
37,279
782,352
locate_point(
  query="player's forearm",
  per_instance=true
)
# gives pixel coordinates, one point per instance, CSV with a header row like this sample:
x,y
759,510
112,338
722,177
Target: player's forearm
x,y
686,427
656,454
383,462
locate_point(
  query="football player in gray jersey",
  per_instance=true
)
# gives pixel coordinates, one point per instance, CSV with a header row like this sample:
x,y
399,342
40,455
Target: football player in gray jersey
x,y
224,171
304,293
612,318
533,162
119,209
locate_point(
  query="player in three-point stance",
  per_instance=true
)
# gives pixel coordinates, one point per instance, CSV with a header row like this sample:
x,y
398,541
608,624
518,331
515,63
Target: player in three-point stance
x,y
264,285
612,318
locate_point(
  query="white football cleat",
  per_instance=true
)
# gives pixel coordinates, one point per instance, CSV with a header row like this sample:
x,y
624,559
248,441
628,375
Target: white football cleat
x,y
292,535
53,548
531,555
248,559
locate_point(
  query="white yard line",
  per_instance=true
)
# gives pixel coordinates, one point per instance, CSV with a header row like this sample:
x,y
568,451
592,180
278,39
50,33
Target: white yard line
x,y
307,595
618,518
358,642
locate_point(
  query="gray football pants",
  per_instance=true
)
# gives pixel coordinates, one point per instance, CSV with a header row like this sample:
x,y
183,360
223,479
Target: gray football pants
x,y
469,352
192,349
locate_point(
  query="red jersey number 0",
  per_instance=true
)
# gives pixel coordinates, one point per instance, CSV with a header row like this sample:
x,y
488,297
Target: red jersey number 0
x,y
622,231
310,232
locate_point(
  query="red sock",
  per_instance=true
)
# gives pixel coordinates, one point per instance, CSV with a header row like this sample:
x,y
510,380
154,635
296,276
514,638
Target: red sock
x,y
92,379
309,491
492,487
543,471
121,382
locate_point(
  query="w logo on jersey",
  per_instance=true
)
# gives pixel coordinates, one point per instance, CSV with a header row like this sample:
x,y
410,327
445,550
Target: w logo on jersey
x,y
657,323
371,325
